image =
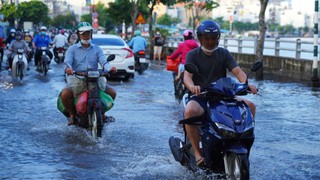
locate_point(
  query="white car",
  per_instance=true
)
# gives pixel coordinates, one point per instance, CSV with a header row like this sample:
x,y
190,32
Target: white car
x,y
124,60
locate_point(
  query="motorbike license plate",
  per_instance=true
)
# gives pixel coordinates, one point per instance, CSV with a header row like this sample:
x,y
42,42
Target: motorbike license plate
x,y
142,60
60,54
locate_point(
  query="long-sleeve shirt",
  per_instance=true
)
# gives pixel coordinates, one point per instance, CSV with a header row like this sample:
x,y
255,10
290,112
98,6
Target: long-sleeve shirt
x,y
183,49
79,58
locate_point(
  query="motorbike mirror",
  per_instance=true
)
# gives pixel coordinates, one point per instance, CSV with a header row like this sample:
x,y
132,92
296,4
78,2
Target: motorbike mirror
x,y
111,57
256,66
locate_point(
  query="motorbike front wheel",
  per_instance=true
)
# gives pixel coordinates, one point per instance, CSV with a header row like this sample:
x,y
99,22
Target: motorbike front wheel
x,y
96,122
237,166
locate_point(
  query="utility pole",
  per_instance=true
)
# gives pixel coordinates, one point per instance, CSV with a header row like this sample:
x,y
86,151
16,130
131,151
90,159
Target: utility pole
x,y
315,79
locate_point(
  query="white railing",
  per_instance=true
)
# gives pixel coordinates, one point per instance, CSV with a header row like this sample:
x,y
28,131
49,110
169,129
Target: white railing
x,y
298,48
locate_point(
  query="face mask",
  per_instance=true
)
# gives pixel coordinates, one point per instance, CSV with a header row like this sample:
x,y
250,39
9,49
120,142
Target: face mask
x,y
43,33
12,34
27,34
158,33
18,38
85,41
209,50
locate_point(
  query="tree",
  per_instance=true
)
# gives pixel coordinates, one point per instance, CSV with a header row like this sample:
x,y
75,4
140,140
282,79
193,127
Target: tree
x,y
8,11
34,11
262,35
199,9
167,20
65,21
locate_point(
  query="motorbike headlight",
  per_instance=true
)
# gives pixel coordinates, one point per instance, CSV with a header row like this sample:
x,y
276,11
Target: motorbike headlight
x,y
225,131
93,74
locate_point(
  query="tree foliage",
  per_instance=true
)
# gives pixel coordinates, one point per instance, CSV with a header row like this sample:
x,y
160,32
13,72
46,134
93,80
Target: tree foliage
x,y
167,20
199,9
68,21
34,11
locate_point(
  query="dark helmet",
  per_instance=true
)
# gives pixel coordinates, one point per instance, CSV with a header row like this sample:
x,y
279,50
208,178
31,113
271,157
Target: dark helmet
x,y
18,35
208,27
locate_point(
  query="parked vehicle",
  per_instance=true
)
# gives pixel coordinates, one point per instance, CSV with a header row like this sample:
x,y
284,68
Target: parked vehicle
x,y
141,63
91,104
226,131
19,65
124,58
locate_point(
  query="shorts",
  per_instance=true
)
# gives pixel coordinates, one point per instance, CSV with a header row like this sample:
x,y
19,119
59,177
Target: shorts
x,y
78,84
202,102
157,50
181,67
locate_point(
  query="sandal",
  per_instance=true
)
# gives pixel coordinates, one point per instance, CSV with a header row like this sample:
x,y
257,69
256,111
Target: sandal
x,y
200,162
108,119
72,121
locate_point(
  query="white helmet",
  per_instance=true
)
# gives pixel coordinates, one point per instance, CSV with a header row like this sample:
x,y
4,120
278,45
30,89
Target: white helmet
x,y
12,31
43,28
84,26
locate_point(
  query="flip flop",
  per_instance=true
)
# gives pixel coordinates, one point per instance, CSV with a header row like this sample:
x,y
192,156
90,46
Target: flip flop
x,y
199,162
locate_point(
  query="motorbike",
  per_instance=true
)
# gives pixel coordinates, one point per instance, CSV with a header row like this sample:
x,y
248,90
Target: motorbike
x,y
141,63
91,104
44,61
60,54
226,131
19,64
179,88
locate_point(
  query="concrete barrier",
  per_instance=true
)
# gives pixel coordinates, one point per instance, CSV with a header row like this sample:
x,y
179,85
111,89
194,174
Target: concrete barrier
x,y
274,68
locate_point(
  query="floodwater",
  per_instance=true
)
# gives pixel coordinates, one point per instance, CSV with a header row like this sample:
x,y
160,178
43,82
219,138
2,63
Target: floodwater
x,y
36,142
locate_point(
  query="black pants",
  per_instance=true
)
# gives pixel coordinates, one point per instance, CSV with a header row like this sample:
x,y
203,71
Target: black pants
x,y
38,54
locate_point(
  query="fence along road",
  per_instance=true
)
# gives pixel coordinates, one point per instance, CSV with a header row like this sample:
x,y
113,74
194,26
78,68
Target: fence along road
x,y
298,48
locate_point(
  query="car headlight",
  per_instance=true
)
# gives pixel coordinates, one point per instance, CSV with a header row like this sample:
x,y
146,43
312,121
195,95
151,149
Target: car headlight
x,y
93,74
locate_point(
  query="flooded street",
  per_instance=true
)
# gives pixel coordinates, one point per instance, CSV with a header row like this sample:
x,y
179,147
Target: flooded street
x,y
36,142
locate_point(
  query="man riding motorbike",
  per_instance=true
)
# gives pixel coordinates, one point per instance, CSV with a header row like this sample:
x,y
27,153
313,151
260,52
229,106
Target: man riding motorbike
x,y
137,43
212,61
79,57
41,40
59,41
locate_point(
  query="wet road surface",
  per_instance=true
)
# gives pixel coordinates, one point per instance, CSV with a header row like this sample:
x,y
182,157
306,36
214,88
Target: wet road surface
x,y
36,142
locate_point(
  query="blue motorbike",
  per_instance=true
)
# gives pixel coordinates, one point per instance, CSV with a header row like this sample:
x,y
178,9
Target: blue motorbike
x,y
226,131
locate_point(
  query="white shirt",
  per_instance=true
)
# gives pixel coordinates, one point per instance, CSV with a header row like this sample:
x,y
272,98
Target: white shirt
x,y
60,40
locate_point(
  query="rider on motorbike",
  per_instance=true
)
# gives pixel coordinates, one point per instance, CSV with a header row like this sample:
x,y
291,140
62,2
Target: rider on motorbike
x,y
59,40
212,61
79,57
39,41
16,44
137,43
11,37
28,38
182,50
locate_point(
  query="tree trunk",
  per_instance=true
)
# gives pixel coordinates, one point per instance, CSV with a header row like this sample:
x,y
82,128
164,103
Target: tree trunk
x,y
150,27
262,35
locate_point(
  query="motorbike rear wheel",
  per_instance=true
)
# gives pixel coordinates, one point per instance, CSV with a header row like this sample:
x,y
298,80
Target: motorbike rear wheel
x,y
97,125
238,166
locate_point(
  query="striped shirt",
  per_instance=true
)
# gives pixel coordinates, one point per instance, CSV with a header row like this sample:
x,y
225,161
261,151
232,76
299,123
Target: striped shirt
x,y
79,58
